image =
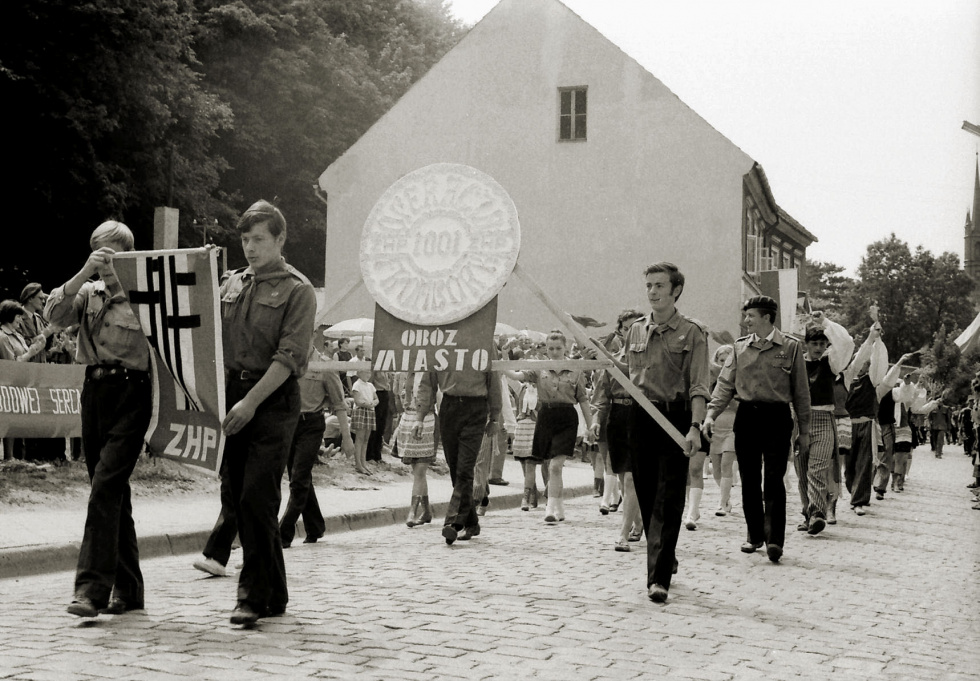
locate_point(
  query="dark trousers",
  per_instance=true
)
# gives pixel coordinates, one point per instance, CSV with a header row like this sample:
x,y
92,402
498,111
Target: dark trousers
x,y
376,441
660,471
218,545
299,467
254,461
762,443
462,423
115,415
859,466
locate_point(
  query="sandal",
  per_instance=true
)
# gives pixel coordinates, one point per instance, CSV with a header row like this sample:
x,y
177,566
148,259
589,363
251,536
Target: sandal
x,y
622,546
636,536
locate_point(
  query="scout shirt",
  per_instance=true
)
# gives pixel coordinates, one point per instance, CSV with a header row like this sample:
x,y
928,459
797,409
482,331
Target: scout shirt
x,y
266,318
321,391
559,387
606,390
669,361
108,331
458,384
769,370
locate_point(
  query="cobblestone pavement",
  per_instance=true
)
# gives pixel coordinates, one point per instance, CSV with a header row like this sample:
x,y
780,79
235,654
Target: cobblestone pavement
x,y
891,595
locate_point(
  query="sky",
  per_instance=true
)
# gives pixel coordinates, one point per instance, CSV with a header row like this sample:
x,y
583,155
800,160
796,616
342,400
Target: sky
x,y
854,109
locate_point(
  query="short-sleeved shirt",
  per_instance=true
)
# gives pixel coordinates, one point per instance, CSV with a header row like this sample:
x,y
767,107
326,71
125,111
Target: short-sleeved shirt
x,y
321,390
266,318
765,370
669,361
108,331
559,387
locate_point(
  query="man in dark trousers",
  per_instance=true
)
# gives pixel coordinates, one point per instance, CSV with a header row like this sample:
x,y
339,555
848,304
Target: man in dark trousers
x,y
471,404
768,373
667,355
116,407
267,312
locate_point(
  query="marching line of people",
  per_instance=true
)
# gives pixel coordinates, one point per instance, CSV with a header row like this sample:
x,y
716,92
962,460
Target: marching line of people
x,y
758,402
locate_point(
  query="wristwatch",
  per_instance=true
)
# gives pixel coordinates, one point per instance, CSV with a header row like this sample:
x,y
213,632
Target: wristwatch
x,y
696,424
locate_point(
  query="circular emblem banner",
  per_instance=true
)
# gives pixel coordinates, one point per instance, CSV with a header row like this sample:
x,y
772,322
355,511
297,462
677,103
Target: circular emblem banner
x,y
439,244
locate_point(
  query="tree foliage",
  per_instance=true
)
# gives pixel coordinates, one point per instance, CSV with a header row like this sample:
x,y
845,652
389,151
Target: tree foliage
x,y
826,286
917,294
115,107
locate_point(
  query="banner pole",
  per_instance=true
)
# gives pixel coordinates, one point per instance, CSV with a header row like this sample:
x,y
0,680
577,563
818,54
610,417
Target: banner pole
x,y
583,339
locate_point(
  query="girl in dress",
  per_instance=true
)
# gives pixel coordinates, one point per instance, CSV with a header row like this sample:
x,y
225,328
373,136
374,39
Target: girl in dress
x,y
419,453
362,421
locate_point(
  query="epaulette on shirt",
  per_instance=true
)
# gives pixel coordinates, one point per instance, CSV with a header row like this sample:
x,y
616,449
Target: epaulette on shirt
x,y
230,273
299,275
698,323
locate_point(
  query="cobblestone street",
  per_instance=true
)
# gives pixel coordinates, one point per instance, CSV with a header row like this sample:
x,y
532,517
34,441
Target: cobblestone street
x,y
893,595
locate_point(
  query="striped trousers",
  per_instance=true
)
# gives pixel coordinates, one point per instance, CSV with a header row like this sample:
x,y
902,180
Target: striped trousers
x,y
813,469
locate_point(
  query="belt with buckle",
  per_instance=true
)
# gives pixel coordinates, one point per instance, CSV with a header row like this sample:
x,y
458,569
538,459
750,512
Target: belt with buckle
x,y
244,375
625,401
98,372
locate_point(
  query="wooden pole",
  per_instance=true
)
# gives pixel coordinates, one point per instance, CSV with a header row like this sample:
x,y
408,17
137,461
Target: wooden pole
x,y
583,339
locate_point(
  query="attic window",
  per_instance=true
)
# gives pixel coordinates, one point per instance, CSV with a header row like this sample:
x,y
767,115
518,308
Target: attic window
x,y
571,113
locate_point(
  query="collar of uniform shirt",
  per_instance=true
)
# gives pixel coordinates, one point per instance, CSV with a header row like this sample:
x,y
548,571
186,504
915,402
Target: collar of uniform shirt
x,y
674,320
771,337
276,271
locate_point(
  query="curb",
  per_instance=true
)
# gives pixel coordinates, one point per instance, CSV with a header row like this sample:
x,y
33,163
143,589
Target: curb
x,y
24,561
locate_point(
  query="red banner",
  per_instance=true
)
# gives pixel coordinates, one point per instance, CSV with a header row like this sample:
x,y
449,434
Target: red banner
x,y
40,400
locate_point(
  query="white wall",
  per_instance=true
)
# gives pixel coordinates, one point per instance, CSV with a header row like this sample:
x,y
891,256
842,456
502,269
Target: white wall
x,y
653,182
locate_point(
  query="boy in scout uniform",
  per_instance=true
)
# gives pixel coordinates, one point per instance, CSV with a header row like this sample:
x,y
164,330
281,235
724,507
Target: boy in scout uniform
x,y
267,312
116,406
667,354
768,373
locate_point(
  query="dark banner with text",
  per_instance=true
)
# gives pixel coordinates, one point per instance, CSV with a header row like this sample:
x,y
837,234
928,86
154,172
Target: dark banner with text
x,y
466,345
40,400
174,294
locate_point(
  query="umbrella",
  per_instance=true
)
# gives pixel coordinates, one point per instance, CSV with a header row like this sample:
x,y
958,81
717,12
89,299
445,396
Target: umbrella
x,y
502,329
360,326
535,336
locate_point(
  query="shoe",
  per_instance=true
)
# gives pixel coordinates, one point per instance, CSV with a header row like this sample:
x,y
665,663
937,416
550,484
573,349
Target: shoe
x,y
976,506
804,526
973,485
286,544
832,515
615,507
636,535
274,611
623,546
426,514
751,547
244,614
534,497
858,510
118,606
690,524
481,511
775,552
722,511
498,481
82,607
604,510
211,566
551,518
657,594
312,539
816,525
413,512
469,532
879,496
450,533
902,488
526,500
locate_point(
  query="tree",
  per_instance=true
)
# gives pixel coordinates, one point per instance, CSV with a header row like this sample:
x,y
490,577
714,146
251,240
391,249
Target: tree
x,y
826,287
305,79
917,294
106,94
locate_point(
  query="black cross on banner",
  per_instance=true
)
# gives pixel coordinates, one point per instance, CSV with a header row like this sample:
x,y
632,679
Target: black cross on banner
x,y
167,302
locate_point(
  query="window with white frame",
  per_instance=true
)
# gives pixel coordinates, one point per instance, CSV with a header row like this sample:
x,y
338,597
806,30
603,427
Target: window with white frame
x,y
572,113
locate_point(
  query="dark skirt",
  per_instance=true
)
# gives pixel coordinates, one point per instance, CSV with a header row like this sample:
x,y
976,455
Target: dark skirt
x,y
555,432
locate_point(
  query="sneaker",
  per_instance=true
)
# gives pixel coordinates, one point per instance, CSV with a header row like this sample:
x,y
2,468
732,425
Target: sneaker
x,y
858,510
211,566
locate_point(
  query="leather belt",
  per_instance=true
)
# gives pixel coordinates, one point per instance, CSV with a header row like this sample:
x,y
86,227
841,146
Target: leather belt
x,y
98,372
626,401
243,375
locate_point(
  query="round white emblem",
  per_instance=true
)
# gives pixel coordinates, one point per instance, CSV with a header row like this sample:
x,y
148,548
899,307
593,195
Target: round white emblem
x,y
440,244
